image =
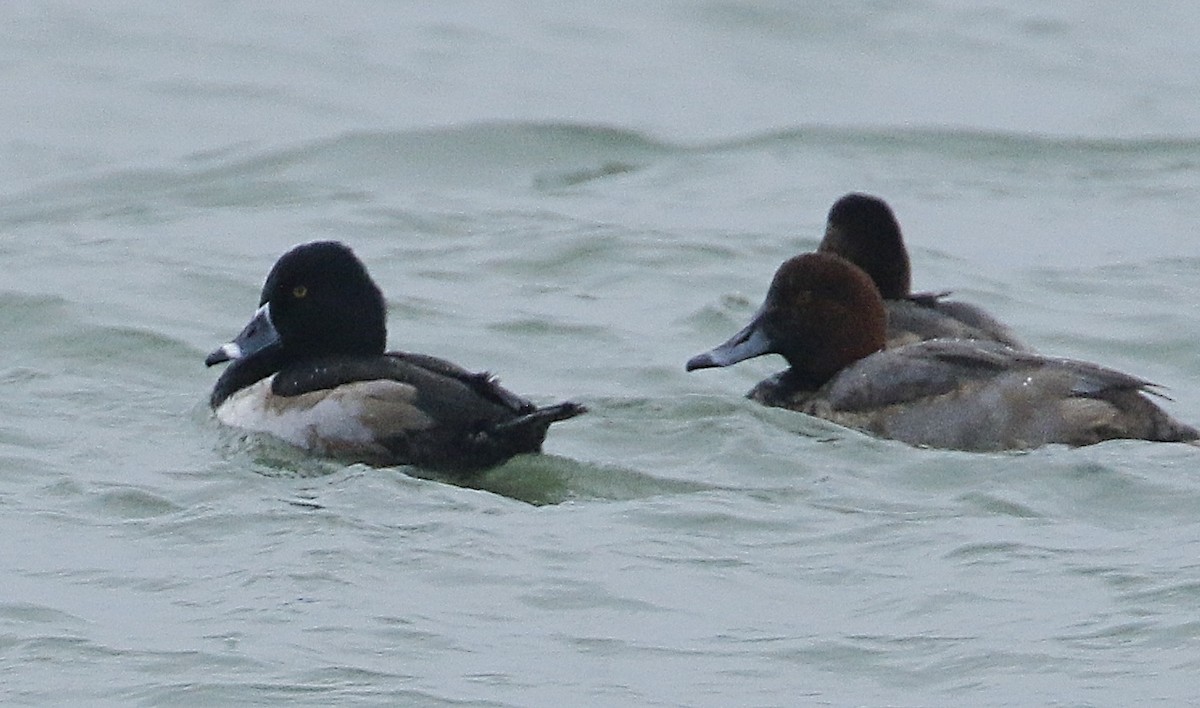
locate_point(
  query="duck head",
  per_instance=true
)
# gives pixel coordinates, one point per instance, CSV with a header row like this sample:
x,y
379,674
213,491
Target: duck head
x,y
317,300
863,230
822,313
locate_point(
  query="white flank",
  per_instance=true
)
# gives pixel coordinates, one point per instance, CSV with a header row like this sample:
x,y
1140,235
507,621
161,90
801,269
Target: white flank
x,y
314,422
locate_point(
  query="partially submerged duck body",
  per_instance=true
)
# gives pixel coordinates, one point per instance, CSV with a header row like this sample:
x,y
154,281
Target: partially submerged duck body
x,y
310,369
825,316
924,316
982,396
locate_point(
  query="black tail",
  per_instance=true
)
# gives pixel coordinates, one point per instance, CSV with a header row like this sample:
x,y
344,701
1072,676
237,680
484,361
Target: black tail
x,y
541,418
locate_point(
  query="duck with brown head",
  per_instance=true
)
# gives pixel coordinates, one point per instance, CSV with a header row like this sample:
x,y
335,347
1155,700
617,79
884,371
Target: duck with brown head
x,y
825,316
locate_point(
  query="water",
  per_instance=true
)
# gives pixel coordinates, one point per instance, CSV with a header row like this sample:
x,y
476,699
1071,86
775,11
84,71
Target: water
x,y
577,197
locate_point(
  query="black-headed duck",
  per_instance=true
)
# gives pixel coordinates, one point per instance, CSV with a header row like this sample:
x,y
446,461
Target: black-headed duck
x,y
310,369
863,230
826,317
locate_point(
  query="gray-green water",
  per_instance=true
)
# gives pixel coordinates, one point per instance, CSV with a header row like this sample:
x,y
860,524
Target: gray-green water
x,y
577,197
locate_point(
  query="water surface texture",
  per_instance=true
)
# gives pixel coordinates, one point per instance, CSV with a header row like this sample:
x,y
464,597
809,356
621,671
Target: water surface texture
x,y
578,197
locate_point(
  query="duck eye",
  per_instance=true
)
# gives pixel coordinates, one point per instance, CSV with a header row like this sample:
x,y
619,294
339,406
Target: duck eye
x,y
299,291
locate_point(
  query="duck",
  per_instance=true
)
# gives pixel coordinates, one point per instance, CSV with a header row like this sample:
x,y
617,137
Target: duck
x,y
827,318
310,368
863,229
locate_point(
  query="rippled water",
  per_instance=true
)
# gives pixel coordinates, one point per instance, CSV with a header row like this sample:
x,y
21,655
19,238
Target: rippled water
x,y
577,197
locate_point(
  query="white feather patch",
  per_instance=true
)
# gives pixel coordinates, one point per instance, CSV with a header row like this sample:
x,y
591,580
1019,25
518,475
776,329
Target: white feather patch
x,y
347,419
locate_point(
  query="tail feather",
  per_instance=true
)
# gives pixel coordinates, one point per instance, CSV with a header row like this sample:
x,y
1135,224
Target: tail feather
x,y
542,417
1171,430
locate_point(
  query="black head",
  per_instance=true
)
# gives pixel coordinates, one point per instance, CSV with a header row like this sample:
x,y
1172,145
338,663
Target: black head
x,y
323,301
863,230
318,300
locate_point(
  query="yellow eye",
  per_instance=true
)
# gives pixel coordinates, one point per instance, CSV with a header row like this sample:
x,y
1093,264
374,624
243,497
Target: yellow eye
x,y
299,291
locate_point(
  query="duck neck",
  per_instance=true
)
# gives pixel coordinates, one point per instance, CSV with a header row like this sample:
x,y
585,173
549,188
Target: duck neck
x,y
243,372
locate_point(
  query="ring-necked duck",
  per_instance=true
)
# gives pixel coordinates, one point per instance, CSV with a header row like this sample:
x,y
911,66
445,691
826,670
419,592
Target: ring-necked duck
x,y
310,368
825,316
863,230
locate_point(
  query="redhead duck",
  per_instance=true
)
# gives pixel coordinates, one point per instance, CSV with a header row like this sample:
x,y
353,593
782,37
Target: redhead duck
x,y
863,230
310,369
826,317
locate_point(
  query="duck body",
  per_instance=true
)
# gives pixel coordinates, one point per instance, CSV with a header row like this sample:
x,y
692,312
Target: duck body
x,y
310,370
981,396
825,316
924,316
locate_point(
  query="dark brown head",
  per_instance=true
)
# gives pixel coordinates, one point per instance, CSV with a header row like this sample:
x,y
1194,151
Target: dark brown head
x,y
822,313
863,230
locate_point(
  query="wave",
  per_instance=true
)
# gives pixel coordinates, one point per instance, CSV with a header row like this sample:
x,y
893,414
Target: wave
x,y
354,166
